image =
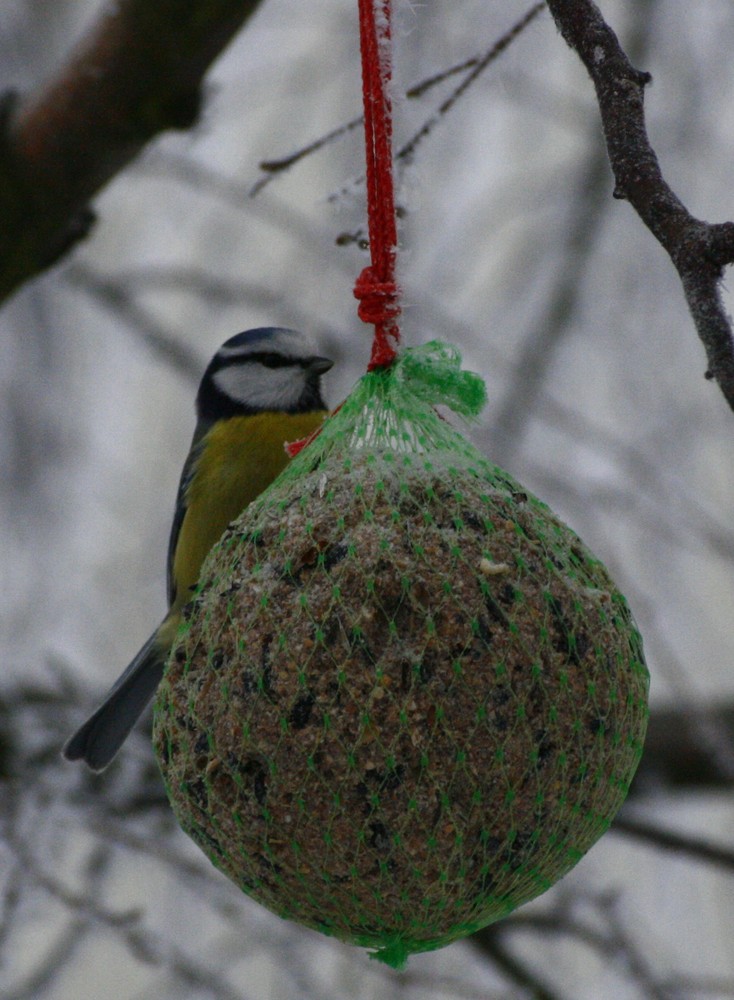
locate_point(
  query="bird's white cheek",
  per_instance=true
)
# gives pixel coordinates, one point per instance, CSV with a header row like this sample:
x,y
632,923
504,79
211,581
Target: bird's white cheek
x,y
260,387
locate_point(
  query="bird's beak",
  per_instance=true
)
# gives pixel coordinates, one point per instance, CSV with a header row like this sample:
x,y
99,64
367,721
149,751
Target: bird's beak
x,y
320,365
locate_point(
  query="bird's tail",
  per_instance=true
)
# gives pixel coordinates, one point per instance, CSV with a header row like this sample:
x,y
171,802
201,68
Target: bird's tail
x,y
104,732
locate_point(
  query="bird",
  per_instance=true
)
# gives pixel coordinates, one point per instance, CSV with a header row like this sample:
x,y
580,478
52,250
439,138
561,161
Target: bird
x,y
261,389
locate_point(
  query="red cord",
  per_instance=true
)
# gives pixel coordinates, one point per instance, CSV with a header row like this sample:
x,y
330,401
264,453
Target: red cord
x,y
293,448
376,287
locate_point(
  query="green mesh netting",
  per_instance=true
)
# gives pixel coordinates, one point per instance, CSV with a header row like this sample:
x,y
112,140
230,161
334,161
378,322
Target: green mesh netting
x,y
407,698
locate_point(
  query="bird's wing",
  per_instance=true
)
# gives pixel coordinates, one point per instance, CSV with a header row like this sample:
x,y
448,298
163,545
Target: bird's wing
x,y
180,510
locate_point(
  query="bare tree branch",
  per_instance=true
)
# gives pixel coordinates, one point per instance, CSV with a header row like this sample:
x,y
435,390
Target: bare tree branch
x,y
699,250
136,73
686,749
634,949
695,847
491,942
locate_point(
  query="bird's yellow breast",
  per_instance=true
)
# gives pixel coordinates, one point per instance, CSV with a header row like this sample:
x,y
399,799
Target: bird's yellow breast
x,y
239,458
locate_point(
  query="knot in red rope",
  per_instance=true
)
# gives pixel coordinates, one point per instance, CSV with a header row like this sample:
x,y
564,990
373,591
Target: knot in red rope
x,y
378,300
378,305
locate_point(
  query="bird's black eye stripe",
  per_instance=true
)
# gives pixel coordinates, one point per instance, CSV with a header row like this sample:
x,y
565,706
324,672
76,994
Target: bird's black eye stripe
x,y
267,358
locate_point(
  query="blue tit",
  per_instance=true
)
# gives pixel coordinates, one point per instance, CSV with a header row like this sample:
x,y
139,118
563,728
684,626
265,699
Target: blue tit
x,y
261,389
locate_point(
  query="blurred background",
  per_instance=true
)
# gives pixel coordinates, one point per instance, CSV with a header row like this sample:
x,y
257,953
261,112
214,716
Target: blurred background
x,y
513,249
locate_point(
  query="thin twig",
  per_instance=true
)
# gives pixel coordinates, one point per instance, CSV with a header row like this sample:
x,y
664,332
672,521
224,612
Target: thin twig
x,y
679,843
490,941
472,68
275,166
162,343
632,948
691,986
476,68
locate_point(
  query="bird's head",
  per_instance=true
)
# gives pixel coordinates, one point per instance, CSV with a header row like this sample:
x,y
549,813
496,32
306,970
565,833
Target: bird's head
x,y
269,368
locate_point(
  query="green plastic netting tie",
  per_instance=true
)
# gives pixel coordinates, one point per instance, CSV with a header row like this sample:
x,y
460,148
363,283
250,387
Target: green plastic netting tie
x,y
433,374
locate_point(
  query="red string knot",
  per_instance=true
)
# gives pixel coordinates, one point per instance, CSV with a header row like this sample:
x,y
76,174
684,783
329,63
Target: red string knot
x,y
378,300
